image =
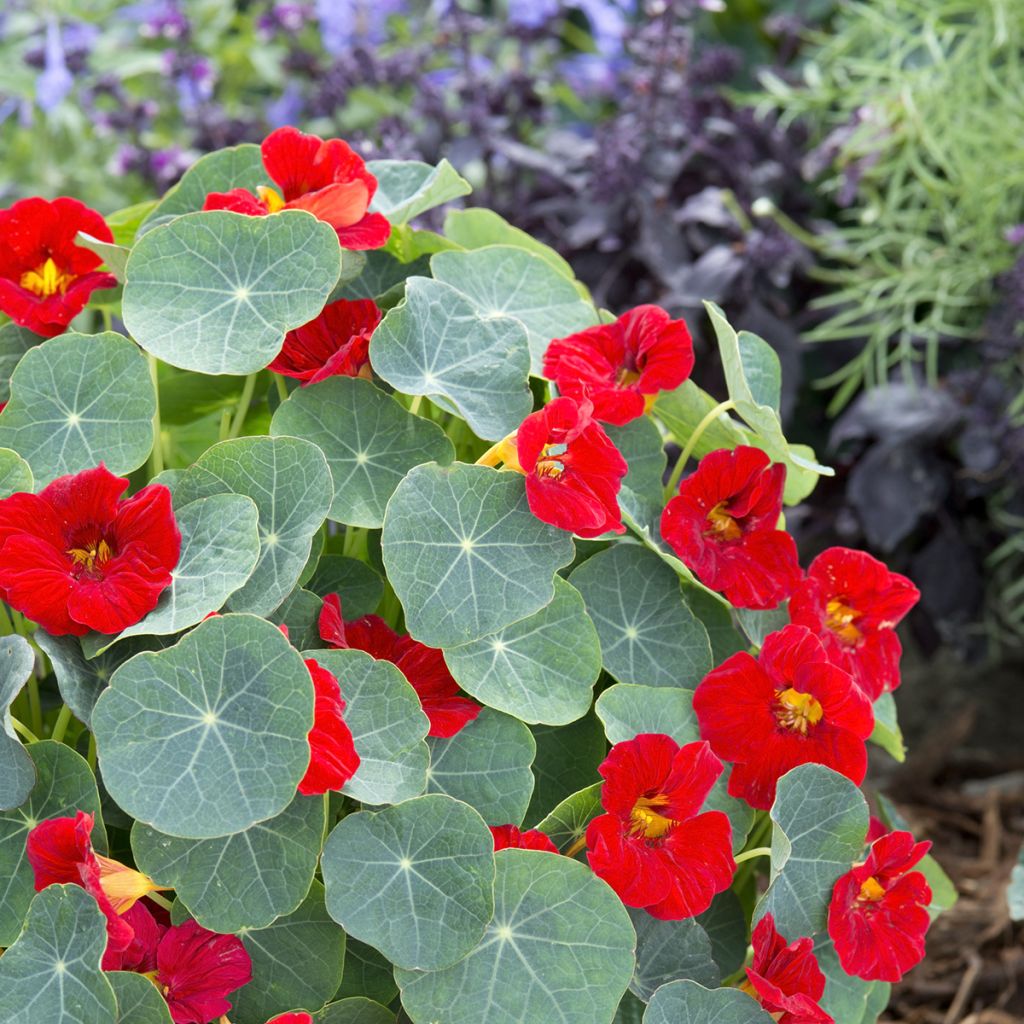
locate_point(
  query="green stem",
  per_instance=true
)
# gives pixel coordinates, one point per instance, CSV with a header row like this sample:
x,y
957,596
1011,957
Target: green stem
x,y
282,387
35,707
24,730
60,727
759,851
243,405
6,624
225,425
90,756
156,456
160,901
684,455
414,405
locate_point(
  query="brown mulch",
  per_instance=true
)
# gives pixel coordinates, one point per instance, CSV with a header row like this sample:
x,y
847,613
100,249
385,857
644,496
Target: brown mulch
x,y
966,793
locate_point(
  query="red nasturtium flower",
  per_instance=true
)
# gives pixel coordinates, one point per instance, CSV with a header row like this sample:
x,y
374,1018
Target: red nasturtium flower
x,y
785,979
196,970
722,525
787,707
45,278
298,1017
324,178
573,470
853,602
878,915
60,852
75,557
622,366
424,667
509,837
333,758
654,847
336,343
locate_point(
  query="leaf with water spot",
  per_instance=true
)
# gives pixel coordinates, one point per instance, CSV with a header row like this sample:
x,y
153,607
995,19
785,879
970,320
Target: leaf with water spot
x,y
290,482
465,554
217,292
371,441
414,880
77,401
64,785
559,947
52,972
208,737
541,669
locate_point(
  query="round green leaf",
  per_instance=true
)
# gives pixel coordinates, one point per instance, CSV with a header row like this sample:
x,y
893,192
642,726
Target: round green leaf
x,y
648,633
220,546
725,923
569,820
52,973
504,280
847,998
642,446
15,473
246,880
387,723
15,341
77,401
567,760
81,680
289,480
465,554
887,733
820,819
359,586
299,613
414,880
686,1002
367,973
64,785
207,737
217,292
559,948
407,188
17,772
357,1010
371,442
487,765
138,1000
670,951
296,961
540,669
627,710
436,343
234,167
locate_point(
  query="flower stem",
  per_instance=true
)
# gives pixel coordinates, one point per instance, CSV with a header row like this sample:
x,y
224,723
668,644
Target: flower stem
x,y
61,725
156,456
243,406
35,708
160,901
759,851
90,755
24,730
492,456
580,844
282,387
414,405
684,455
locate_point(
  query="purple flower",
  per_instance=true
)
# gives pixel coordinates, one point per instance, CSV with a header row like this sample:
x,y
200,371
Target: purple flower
x,y
56,81
287,108
159,19
344,22
608,20
532,13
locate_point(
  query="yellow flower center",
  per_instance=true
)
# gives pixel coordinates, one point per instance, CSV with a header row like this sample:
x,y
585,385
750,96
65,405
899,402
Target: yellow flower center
x,y
721,525
549,463
840,618
626,376
647,821
271,198
797,711
91,558
870,891
46,280
123,885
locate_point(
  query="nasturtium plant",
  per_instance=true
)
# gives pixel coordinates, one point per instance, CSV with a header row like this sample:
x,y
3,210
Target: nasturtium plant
x,y
388,633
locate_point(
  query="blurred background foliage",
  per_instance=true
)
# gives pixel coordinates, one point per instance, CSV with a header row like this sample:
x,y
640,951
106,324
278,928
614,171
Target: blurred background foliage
x,y
845,178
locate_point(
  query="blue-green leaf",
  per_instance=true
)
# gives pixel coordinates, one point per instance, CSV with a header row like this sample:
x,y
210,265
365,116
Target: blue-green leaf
x,y
686,1002
17,772
407,188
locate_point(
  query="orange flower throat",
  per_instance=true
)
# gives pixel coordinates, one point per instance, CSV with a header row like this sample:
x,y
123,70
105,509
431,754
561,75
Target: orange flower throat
x,y
721,525
549,463
870,891
90,559
46,280
840,618
272,199
797,711
647,821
